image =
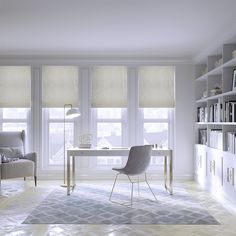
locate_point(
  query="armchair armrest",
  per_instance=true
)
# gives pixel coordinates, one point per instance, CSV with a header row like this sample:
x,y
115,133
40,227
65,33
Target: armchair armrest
x,y
0,171
32,157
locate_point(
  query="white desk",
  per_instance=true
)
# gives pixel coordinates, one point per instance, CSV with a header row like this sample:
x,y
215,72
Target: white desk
x,y
78,152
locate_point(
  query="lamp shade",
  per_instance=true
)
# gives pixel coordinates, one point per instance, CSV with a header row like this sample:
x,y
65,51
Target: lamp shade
x,y
72,113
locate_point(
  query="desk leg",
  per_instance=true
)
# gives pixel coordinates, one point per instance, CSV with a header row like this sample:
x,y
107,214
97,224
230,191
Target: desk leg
x,y
170,187
68,174
165,172
73,172
171,174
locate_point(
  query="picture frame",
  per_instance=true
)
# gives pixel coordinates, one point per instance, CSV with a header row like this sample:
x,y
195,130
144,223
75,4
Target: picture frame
x,y
234,80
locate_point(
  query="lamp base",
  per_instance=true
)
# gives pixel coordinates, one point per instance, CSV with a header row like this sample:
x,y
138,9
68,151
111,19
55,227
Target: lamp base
x,y
65,186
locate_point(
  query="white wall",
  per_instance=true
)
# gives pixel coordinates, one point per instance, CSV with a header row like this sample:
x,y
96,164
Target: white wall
x,y
184,112
184,122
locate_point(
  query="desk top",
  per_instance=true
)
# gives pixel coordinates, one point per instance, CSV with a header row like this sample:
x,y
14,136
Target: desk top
x,y
119,151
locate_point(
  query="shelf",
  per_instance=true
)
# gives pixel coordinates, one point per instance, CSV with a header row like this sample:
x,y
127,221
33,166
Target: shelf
x,y
218,70
208,147
202,100
221,123
202,78
229,63
214,165
216,96
215,123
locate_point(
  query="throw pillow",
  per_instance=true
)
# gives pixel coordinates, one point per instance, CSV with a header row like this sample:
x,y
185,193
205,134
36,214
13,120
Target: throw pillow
x,y
7,159
11,152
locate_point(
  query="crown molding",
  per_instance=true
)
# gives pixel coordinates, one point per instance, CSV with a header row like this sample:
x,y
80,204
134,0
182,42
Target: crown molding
x,y
87,60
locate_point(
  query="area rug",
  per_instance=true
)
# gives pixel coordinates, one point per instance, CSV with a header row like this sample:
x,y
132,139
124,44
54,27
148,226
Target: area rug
x,y
89,204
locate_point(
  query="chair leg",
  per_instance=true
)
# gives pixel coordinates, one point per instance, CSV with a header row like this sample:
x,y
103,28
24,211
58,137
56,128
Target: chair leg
x,y
132,194
113,187
138,186
132,191
35,181
150,187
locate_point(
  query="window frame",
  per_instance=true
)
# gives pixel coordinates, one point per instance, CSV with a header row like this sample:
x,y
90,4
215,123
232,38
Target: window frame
x,y
170,122
95,120
26,121
45,142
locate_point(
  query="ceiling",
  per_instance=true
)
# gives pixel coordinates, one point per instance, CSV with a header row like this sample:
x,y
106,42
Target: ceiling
x,y
132,28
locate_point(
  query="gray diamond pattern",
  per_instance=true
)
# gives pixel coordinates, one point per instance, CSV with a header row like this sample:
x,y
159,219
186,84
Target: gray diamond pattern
x,y
89,204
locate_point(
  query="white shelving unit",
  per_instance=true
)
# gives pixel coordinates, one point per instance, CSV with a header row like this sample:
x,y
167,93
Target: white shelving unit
x,y
215,123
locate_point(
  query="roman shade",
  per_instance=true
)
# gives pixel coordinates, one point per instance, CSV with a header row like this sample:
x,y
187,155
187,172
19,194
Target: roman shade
x,y
109,86
60,86
156,86
15,86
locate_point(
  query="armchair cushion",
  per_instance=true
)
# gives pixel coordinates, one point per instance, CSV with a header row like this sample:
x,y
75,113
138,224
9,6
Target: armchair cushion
x,y
17,169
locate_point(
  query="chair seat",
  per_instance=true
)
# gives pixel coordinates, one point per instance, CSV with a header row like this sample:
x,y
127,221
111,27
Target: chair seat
x,y
120,170
17,169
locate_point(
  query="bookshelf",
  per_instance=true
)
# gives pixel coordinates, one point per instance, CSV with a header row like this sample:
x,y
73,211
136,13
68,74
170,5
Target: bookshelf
x,y
215,122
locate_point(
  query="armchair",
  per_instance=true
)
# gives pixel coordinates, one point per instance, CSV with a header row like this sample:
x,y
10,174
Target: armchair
x,y
12,147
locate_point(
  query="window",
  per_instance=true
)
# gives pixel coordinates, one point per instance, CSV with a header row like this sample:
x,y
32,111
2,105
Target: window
x,y
14,119
109,102
108,126
157,128
54,135
156,102
59,87
15,98
155,124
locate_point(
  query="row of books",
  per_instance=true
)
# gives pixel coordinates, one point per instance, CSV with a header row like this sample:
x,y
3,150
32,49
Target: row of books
x,y
230,111
215,112
216,140
202,136
218,112
202,114
231,142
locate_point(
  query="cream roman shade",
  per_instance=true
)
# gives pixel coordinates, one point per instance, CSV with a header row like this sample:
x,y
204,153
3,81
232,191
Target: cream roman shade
x,y
60,86
15,86
156,86
109,86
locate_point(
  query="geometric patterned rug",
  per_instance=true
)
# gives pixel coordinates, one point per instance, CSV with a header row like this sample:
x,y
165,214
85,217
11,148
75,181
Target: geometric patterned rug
x,y
89,204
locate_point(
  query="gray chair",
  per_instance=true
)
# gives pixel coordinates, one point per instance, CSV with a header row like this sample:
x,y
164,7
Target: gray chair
x,y
12,146
137,163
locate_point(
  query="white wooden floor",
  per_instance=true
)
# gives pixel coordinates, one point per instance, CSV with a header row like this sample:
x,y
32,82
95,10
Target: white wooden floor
x,y
18,198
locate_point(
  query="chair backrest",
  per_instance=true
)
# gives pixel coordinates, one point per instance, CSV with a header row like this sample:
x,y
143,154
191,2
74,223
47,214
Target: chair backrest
x,y
138,159
9,139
